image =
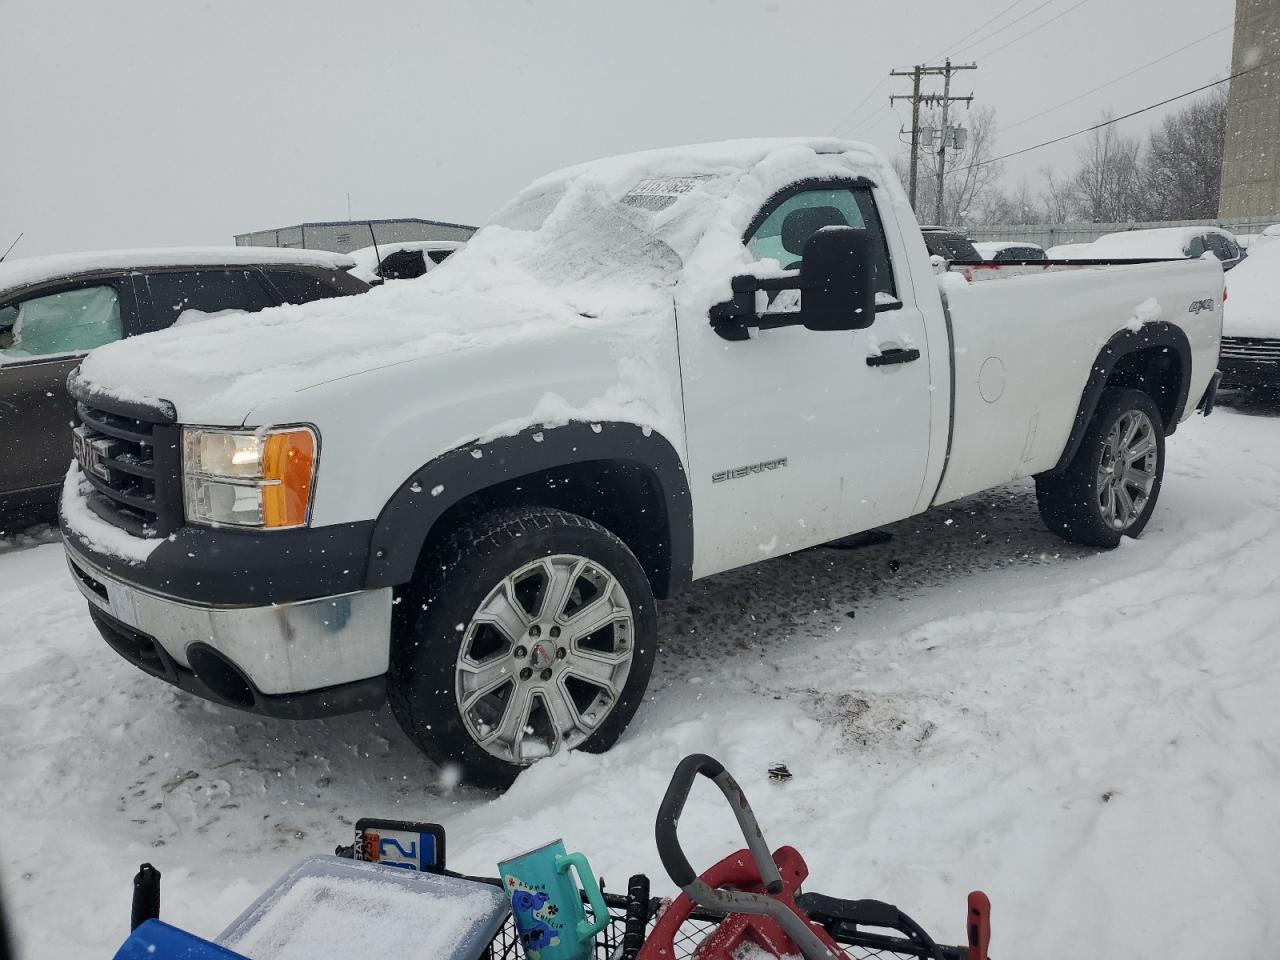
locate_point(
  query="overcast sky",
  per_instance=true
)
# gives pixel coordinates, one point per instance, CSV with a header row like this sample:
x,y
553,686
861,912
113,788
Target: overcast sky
x,y
149,122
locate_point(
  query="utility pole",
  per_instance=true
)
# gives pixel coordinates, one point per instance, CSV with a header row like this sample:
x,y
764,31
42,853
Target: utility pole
x,y
916,73
946,130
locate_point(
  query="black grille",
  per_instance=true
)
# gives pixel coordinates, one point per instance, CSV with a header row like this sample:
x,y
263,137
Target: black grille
x,y
1256,349
133,467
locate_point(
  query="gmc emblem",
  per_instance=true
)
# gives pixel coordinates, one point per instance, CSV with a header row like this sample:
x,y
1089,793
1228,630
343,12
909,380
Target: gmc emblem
x,y
92,451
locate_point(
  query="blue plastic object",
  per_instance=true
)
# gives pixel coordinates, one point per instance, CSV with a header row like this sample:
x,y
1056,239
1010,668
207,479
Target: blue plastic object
x,y
154,940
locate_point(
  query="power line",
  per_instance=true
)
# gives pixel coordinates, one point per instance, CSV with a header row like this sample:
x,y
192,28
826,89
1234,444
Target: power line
x,y
1023,36
1134,113
874,90
999,30
981,26
852,113
1109,83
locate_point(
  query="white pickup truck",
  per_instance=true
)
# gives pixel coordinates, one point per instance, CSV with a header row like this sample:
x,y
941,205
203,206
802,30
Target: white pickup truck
x,y
462,493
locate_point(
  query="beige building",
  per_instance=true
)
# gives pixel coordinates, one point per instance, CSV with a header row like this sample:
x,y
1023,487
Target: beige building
x,y
1251,158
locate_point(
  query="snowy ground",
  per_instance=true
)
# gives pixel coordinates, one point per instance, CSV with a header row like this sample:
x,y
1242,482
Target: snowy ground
x,y
1092,738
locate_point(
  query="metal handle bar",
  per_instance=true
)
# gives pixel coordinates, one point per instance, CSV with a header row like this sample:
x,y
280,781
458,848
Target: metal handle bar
x,y
728,901
673,858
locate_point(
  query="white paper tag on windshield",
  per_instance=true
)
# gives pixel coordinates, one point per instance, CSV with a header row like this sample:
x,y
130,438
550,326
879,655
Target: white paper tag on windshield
x,y
656,193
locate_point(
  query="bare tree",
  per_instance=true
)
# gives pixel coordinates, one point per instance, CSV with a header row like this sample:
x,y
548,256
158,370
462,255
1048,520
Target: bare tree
x,y
1057,199
1106,187
970,177
1023,205
1182,167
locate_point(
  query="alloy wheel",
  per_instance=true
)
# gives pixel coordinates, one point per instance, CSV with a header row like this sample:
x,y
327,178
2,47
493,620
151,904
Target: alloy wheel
x,y
545,658
1127,469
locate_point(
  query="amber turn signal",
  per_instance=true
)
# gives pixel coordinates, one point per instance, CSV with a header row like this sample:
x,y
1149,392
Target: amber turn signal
x,y
288,467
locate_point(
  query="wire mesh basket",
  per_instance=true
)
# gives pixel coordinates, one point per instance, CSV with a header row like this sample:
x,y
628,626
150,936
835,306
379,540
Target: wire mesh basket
x,y
611,942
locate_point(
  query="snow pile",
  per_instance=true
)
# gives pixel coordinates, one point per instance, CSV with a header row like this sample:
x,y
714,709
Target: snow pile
x,y
97,533
1148,311
1253,294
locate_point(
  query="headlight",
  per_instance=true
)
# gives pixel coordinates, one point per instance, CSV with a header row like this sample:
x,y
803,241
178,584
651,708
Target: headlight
x,y
249,478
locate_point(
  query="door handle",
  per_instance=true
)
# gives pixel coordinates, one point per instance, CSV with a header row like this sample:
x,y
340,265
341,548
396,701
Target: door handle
x,y
896,355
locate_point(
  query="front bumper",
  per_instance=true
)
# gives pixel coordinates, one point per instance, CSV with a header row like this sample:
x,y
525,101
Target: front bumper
x,y
314,657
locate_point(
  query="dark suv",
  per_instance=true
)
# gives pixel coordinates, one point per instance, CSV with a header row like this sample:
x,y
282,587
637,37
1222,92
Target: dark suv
x,y
53,310
950,245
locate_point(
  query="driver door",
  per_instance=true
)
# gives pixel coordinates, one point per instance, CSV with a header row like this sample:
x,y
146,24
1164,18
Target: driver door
x,y
793,438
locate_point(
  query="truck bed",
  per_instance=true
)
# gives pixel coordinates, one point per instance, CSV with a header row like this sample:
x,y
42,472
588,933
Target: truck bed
x,y
1022,345
989,270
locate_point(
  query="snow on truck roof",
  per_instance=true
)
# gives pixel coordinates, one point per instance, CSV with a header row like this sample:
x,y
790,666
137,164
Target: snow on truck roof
x,y
602,247
26,270
718,156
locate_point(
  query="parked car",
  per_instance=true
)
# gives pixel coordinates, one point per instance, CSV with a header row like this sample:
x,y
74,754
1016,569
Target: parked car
x,y
1251,323
463,494
1250,240
53,310
1169,243
949,245
1009,251
402,260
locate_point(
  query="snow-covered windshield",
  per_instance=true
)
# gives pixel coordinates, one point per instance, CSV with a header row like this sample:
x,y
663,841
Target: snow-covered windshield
x,y
586,229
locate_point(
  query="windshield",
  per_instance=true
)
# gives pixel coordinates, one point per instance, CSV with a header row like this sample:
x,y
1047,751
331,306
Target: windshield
x,y
588,230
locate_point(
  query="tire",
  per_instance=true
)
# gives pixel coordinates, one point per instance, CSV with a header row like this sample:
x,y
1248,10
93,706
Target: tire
x,y
1090,502
580,669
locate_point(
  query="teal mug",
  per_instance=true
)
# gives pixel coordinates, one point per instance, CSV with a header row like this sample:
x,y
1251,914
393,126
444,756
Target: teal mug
x,y
547,904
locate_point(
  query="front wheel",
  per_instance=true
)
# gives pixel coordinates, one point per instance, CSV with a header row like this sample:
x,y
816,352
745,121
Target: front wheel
x,y
531,631
1109,489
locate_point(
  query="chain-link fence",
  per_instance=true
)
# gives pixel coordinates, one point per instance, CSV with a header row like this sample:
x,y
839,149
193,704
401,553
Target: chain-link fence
x,y
1052,234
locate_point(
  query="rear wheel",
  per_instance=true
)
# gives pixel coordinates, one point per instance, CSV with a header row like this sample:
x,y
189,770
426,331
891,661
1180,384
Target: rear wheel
x,y
1109,489
532,631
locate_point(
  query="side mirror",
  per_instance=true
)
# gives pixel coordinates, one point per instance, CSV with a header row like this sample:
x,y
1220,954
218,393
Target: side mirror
x,y
837,280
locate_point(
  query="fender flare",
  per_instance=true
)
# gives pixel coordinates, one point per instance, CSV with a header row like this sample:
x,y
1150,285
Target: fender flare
x,y
1122,344
406,520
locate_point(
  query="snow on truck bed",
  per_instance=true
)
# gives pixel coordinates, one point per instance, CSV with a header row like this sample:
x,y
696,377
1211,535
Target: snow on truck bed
x,y
599,246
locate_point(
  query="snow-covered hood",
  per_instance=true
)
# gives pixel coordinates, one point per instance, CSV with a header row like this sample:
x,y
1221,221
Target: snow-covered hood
x,y
219,370
1253,295
603,246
